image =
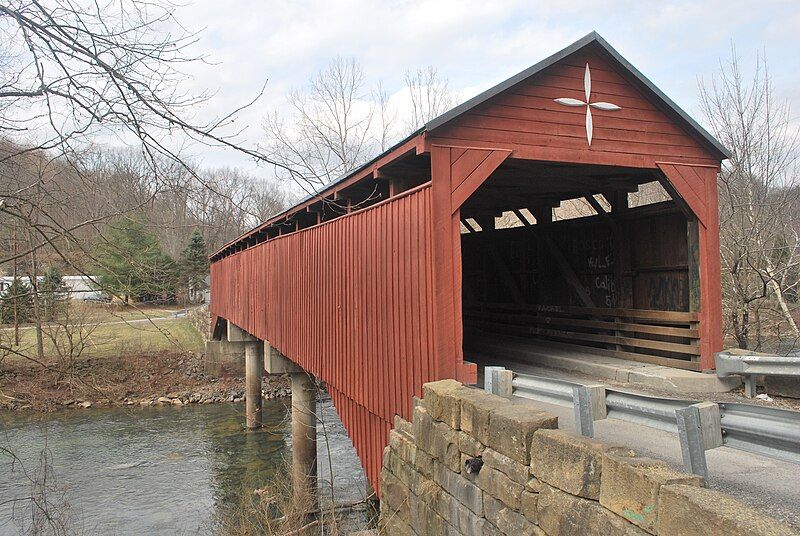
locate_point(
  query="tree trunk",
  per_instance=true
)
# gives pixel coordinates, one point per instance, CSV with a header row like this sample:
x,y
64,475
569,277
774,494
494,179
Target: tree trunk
x,y
776,288
741,327
37,309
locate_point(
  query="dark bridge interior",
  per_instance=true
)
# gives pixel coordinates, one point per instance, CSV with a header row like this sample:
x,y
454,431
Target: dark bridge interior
x,y
587,256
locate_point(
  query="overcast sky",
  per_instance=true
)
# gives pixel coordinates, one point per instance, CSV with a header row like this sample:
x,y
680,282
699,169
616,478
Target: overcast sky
x,y
473,44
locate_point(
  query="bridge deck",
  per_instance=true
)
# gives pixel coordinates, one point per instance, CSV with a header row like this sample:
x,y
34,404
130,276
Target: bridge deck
x,y
539,357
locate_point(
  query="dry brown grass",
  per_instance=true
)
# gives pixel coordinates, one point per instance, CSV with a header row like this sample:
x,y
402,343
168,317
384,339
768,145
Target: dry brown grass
x,y
274,510
105,381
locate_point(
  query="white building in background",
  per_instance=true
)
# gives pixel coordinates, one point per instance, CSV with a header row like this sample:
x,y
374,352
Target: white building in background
x,y
80,287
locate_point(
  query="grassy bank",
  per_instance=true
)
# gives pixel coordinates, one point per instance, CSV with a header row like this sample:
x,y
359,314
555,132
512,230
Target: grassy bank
x,y
106,331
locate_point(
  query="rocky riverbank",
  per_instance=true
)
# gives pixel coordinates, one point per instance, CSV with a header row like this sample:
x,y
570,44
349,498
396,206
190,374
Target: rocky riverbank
x,y
135,380
208,396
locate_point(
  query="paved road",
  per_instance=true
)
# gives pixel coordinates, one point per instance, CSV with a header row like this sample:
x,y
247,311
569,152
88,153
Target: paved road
x,y
773,486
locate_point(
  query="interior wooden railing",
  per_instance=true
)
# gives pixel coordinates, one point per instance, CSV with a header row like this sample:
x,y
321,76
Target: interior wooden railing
x,y
668,338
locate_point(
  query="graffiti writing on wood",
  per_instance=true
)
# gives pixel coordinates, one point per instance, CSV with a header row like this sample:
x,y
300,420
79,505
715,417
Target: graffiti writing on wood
x,y
607,287
549,308
599,262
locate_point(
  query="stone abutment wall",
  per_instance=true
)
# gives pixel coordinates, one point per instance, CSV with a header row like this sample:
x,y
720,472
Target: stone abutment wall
x,y
478,464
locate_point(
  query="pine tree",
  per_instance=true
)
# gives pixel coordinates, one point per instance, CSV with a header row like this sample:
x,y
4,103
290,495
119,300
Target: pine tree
x,y
21,293
53,294
194,264
132,265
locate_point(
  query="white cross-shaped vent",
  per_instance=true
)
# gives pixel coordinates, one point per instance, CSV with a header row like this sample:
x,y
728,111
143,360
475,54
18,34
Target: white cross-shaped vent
x,y
587,86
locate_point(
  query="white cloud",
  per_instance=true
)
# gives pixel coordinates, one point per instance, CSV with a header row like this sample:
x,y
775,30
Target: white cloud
x,y
475,44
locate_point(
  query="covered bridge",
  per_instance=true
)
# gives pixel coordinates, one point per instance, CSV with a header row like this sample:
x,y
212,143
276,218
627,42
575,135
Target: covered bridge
x,y
371,284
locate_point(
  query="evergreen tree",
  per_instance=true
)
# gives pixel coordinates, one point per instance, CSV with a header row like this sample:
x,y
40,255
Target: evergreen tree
x,y
53,294
131,263
194,264
20,292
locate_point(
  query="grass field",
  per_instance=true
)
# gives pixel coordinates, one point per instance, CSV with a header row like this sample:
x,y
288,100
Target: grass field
x,y
107,334
113,312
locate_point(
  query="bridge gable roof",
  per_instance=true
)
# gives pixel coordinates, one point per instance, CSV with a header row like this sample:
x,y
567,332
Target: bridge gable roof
x,y
675,125
595,47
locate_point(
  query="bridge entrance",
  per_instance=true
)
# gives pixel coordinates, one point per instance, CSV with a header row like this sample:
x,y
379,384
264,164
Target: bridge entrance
x,y
579,256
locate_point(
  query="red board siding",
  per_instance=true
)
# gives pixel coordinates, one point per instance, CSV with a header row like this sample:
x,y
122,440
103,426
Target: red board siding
x,y
351,302
697,186
527,119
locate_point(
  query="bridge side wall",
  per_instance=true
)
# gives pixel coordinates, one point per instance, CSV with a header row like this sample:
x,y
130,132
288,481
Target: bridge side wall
x,y
350,301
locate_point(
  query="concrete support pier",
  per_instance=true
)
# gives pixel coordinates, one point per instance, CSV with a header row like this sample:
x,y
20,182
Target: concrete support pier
x,y
254,368
304,426
304,439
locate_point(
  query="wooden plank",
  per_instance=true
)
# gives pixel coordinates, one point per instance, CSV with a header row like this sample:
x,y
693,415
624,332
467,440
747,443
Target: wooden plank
x,y
568,273
689,333
571,155
641,314
687,349
505,274
596,205
533,109
443,303
494,136
521,217
631,356
693,241
571,128
476,177
465,165
678,180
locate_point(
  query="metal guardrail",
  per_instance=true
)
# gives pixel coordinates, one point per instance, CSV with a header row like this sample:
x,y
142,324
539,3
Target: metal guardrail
x,y
551,390
767,431
752,365
646,410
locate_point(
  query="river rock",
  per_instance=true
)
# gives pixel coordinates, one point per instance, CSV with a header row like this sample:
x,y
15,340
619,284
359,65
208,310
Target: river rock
x,y
85,404
164,400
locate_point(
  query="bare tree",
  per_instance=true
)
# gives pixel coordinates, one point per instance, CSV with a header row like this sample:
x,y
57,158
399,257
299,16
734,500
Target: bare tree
x,y
336,123
430,96
330,131
387,118
73,74
266,200
759,201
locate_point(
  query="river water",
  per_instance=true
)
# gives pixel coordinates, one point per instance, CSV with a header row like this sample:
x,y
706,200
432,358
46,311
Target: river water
x,y
157,470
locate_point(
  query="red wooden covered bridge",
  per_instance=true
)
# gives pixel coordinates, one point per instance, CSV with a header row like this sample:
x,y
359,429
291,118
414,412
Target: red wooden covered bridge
x,y
466,226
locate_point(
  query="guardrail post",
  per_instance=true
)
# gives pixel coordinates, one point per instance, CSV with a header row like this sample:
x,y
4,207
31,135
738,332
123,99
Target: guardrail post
x,y
698,430
589,402
502,383
749,385
581,399
710,424
694,456
488,378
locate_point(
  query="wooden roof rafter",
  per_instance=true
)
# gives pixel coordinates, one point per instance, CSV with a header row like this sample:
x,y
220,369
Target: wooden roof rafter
x,y
414,144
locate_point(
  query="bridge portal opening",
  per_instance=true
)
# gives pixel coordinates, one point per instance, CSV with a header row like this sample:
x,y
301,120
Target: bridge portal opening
x,y
582,259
